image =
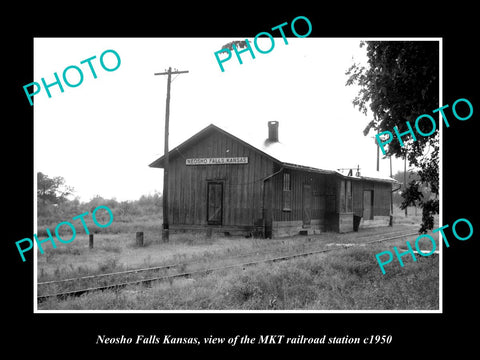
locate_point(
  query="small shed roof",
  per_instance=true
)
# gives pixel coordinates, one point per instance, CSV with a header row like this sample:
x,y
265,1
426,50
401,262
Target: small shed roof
x,y
292,157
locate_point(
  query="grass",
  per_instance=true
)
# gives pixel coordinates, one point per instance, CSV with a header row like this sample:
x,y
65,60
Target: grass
x,y
67,258
341,280
120,225
414,216
350,281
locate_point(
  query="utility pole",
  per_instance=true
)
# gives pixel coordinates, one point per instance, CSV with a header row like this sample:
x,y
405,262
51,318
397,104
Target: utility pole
x,y
391,192
165,231
378,150
405,176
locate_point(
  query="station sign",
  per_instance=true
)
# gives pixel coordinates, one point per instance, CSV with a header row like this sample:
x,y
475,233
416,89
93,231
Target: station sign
x,y
217,161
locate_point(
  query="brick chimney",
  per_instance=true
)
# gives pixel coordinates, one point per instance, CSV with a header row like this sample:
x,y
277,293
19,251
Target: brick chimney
x,y
273,131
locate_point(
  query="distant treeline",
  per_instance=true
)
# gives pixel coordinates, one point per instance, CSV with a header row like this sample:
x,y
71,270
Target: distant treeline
x,y
54,205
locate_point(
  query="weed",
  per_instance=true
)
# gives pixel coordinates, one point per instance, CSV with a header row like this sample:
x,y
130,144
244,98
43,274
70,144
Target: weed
x,y
341,280
109,265
147,261
112,248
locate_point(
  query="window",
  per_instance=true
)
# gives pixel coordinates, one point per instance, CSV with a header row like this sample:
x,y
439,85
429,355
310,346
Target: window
x,y
345,196
286,181
342,196
348,196
287,192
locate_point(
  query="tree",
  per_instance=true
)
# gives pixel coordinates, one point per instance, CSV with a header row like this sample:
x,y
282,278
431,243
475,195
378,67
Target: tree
x,y
150,204
52,190
98,200
238,43
417,185
400,83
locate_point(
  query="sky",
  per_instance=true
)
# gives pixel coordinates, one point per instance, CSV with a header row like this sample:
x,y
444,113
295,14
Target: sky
x,y
101,135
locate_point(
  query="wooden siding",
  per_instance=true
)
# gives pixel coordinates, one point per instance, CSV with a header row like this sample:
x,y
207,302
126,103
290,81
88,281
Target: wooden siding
x,y
242,183
323,194
357,188
381,197
345,222
254,195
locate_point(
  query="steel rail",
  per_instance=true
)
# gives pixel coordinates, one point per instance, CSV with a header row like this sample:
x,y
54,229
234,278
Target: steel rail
x,y
169,266
206,271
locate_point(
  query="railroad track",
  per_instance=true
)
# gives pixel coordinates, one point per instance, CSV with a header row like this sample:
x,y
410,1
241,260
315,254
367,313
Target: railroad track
x,y
185,274
175,265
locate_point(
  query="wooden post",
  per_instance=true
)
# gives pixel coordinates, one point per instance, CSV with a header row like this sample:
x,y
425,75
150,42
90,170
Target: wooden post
x,y
139,238
165,230
378,152
390,223
405,177
90,241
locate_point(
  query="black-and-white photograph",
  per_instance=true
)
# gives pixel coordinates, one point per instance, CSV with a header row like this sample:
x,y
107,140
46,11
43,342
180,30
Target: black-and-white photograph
x,y
272,174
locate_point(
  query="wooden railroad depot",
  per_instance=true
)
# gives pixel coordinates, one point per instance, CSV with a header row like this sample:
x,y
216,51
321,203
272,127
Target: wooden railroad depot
x,y
221,183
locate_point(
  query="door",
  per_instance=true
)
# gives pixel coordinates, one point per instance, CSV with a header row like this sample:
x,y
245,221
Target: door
x,y
307,204
367,205
214,203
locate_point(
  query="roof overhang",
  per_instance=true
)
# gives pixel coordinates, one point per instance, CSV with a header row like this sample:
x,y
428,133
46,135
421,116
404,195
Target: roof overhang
x,y
159,163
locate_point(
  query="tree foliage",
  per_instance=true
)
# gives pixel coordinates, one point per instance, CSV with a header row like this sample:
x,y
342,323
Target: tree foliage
x,y
52,190
238,43
412,177
53,205
400,83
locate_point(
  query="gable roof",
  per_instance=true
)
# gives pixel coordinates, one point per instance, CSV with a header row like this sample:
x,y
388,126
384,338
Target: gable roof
x,y
285,156
199,136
